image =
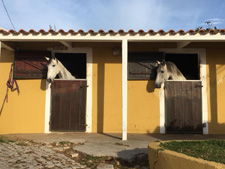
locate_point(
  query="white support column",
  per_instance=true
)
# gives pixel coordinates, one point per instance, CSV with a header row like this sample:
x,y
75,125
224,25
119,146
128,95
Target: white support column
x,y
124,88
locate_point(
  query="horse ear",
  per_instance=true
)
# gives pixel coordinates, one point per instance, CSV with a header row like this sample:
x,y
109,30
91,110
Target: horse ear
x,y
163,62
47,58
158,62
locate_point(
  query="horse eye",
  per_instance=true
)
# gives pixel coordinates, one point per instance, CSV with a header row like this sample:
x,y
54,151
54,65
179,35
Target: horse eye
x,y
53,65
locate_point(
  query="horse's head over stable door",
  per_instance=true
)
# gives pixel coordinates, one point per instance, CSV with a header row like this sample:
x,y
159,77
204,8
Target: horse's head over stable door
x,y
167,71
55,67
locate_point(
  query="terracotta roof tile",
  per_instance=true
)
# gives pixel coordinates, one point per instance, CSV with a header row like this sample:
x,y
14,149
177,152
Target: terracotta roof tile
x,y
181,31
110,31
151,31
191,31
32,31
13,31
222,31
91,31
101,31
42,31
120,31
213,31
201,31
171,31
161,31
81,31
131,31
141,31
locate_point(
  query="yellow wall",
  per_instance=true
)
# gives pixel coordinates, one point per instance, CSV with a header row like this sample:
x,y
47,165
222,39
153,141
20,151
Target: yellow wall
x,y
107,90
24,113
143,98
143,107
216,90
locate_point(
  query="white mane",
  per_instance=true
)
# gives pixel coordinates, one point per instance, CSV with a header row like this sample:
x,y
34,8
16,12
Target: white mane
x,y
64,73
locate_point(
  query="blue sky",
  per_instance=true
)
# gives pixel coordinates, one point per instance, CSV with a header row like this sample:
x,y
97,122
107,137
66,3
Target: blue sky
x,y
112,14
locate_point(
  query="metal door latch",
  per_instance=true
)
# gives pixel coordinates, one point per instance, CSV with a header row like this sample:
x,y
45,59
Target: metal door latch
x,y
84,86
199,86
204,125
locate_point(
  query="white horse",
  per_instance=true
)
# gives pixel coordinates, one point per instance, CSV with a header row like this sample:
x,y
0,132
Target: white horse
x,y
167,71
55,67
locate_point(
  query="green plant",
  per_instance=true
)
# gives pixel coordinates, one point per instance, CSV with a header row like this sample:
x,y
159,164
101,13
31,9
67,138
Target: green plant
x,y
5,140
211,150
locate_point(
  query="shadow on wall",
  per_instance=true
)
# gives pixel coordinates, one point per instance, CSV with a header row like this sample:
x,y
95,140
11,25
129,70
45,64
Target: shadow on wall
x,y
101,57
43,84
216,128
150,88
6,57
100,97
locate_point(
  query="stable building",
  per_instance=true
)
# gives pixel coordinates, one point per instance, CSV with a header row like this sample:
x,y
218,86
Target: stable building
x,y
114,90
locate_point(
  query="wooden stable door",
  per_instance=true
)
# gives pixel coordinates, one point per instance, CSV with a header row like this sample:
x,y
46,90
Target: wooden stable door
x,y
68,105
183,106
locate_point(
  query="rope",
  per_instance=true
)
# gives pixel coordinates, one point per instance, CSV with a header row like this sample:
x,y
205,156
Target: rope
x,y
10,85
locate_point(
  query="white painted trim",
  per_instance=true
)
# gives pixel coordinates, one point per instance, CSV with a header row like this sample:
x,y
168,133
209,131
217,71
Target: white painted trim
x,y
202,59
89,90
47,107
107,37
124,88
88,52
162,110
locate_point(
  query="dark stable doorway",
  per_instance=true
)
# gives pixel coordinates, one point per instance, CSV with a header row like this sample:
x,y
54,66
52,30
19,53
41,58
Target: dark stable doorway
x,y
75,63
188,64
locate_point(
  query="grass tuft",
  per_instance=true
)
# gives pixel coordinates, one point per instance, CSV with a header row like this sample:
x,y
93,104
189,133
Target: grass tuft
x,y
5,140
211,150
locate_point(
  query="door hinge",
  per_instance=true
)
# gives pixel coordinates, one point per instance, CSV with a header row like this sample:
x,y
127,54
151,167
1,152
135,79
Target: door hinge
x,y
204,125
198,86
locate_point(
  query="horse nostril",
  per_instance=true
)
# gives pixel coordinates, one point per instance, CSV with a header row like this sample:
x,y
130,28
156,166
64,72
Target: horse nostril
x,y
157,85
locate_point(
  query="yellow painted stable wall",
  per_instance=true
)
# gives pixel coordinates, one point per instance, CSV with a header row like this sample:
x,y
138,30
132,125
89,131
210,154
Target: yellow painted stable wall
x,y
24,113
143,107
143,98
107,89
216,89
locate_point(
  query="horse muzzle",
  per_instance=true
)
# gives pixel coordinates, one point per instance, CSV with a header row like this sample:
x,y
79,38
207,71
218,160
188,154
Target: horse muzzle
x,y
157,85
49,80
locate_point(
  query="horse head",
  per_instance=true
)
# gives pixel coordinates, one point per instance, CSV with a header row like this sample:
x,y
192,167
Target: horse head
x,y
53,68
161,74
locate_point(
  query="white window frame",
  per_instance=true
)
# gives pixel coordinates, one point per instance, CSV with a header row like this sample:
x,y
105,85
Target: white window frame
x,y
88,52
202,60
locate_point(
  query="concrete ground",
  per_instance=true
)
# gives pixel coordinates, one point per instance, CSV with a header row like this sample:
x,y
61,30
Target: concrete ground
x,y
111,144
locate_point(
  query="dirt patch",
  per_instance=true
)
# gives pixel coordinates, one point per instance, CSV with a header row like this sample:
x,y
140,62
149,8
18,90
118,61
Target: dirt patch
x,y
139,161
